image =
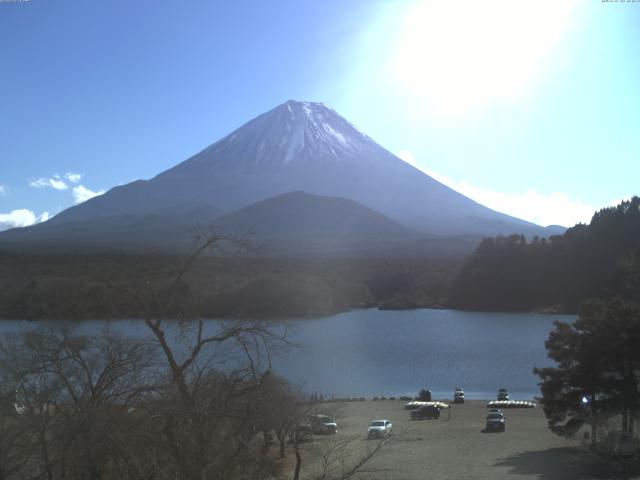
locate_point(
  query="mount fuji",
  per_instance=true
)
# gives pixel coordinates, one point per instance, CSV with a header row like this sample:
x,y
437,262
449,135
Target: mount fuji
x,y
295,147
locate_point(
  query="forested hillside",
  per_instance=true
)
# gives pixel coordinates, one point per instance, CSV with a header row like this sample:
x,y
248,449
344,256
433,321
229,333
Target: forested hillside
x,y
595,260
67,286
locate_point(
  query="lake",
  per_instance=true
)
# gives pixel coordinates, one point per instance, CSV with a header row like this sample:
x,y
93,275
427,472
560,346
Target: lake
x,y
372,352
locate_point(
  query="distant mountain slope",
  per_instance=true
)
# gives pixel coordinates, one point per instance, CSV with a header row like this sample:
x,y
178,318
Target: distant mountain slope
x,y
297,146
295,224
301,215
130,232
301,224
307,147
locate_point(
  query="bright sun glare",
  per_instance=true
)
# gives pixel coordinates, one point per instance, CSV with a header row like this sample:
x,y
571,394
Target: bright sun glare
x,y
457,57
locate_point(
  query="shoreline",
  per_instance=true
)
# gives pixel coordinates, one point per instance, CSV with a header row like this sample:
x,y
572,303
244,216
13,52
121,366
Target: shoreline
x,y
6,316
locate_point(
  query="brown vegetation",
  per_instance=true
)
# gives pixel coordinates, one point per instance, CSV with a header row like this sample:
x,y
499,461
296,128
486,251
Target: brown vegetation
x,y
90,286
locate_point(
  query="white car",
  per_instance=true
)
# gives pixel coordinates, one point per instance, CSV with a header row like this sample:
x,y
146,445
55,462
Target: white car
x,y
379,428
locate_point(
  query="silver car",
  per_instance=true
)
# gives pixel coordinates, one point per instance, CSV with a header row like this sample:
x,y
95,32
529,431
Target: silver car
x,y
379,428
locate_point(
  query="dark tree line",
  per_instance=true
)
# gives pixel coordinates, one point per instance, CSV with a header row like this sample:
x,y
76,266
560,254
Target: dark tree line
x,y
588,261
71,286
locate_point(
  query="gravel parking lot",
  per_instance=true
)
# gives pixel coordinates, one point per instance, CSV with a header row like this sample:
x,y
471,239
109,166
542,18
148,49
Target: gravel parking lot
x,y
451,447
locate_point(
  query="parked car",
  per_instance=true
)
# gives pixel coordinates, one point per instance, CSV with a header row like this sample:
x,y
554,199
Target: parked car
x,y
323,424
458,395
379,428
424,395
495,422
425,411
503,394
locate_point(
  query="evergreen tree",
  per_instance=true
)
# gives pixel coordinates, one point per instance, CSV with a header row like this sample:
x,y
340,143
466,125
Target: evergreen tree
x,y
588,261
597,368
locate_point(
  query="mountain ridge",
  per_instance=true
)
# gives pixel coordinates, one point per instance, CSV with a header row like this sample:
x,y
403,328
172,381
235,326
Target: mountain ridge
x,y
297,146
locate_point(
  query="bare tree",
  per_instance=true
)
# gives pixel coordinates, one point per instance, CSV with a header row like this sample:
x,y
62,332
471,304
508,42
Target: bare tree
x,y
73,393
10,437
216,372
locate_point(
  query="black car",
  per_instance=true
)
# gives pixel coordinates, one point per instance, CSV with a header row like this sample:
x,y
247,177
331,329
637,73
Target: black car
x,y
503,394
495,422
424,395
425,411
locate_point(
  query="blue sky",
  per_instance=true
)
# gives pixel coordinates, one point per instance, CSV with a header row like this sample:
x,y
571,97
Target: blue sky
x,y
532,108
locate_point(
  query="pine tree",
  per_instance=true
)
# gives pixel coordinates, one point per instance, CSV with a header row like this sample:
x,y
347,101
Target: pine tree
x,y
597,370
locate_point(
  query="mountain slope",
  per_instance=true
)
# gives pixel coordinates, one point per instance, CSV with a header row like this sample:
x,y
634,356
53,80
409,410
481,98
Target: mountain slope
x,y
124,232
297,146
301,224
308,147
295,224
301,215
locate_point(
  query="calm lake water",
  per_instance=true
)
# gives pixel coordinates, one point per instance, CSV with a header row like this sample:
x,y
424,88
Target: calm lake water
x,y
371,352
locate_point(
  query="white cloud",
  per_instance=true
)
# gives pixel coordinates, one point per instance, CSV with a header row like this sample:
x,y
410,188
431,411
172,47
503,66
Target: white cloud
x,y
73,177
58,184
39,183
82,193
54,182
21,218
3,189
556,208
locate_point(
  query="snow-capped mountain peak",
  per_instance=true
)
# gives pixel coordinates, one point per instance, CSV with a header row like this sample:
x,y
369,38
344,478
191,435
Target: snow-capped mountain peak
x,y
292,133
307,147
